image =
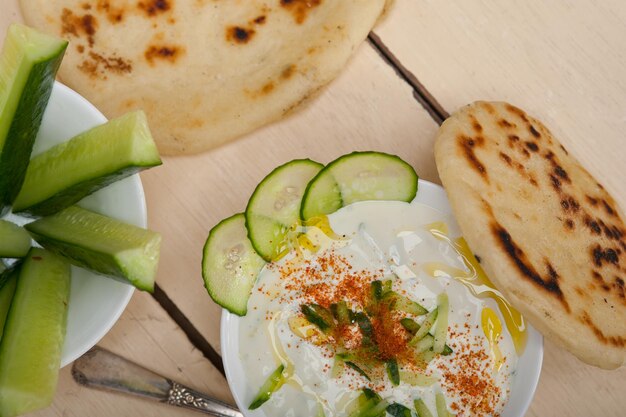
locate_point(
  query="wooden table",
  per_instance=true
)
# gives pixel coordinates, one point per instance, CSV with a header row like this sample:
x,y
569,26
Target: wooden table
x,y
564,61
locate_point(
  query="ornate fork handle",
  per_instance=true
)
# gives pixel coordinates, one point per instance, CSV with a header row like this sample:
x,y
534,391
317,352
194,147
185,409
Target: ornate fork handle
x,y
99,368
182,396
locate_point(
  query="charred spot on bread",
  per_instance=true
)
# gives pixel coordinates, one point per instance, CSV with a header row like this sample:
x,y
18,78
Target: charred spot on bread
x,y
467,145
525,267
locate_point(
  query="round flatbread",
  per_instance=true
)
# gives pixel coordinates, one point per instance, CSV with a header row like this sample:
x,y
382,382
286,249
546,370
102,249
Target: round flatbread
x,y
547,233
203,71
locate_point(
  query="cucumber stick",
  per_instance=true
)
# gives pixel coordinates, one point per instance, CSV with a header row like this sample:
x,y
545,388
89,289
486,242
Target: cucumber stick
x,y
356,177
101,244
14,240
8,279
71,170
230,264
30,350
28,65
275,206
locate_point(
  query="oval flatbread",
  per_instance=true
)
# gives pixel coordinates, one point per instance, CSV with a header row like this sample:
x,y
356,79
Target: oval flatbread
x,y
547,233
204,71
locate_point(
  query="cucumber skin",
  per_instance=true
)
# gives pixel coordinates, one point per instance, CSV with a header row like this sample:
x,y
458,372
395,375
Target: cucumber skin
x,y
75,193
98,262
30,384
15,154
327,170
8,280
249,213
215,293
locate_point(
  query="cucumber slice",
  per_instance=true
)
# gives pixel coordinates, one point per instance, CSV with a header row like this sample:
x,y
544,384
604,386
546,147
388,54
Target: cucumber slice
x,y
30,351
427,324
69,171
230,265
14,240
101,244
271,385
355,177
28,65
275,206
8,279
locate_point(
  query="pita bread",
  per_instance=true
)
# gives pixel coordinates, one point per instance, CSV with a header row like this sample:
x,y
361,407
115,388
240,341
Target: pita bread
x,y
547,233
204,71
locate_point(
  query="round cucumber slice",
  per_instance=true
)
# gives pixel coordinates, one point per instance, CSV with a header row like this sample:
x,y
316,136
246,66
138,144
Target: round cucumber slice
x,y
358,176
275,206
230,264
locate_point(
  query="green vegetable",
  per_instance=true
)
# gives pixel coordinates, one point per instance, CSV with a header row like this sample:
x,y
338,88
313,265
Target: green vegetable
x,y
421,409
398,410
28,66
355,177
392,371
230,265
401,303
425,327
271,385
318,315
441,329
275,206
69,171
14,240
358,369
341,312
31,346
442,408
8,281
101,244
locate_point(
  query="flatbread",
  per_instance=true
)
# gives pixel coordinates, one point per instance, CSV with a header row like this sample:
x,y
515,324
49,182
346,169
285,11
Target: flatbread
x,y
546,232
204,71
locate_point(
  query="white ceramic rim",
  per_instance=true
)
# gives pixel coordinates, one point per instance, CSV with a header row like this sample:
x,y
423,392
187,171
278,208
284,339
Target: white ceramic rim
x,y
65,102
524,383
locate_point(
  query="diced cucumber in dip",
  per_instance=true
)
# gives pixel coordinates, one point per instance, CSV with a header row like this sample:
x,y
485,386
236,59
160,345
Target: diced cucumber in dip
x,y
30,349
69,171
14,240
101,244
230,265
275,206
355,177
338,315
28,66
273,383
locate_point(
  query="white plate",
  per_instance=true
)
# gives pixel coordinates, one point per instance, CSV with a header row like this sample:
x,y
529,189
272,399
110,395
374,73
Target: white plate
x,y
522,388
96,302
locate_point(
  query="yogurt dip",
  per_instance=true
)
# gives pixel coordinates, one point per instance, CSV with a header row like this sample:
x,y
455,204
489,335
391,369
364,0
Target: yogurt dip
x,y
416,247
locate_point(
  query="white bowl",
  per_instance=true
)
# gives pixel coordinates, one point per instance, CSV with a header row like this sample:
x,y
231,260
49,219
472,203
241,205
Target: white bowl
x,y
96,302
523,385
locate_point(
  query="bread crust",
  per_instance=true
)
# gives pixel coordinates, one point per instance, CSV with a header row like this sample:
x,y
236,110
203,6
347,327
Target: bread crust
x,y
548,234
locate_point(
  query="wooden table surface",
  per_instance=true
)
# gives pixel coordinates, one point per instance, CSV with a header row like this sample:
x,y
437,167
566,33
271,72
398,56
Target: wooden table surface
x,y
563,61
